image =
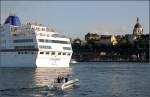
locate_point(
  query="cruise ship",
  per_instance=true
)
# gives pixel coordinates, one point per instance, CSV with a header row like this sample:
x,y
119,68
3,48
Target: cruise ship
x,y
32,45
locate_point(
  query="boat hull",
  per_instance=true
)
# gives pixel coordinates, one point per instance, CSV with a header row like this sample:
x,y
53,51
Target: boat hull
x,y
70,84
12,59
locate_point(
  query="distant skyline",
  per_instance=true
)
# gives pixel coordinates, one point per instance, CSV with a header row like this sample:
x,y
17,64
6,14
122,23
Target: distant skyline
x,y
76,18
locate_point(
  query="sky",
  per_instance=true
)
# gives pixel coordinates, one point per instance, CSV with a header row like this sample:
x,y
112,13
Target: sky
x,y
76,18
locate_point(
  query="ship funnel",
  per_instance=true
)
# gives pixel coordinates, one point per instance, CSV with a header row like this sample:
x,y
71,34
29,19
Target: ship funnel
x,y
13,20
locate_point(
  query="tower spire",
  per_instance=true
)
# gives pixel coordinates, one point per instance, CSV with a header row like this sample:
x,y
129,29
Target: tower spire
x,y
137,19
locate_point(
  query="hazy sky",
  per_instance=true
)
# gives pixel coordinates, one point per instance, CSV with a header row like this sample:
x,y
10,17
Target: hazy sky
x,y
76,18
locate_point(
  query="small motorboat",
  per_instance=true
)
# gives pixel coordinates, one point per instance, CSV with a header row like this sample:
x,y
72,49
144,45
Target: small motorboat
x,y
73,61
63,83
70,84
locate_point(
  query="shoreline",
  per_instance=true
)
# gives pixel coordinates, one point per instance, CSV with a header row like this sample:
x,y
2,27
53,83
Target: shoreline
x,y
118,61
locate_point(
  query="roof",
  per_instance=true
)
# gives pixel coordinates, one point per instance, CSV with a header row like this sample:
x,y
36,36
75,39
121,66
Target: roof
x,y
137,25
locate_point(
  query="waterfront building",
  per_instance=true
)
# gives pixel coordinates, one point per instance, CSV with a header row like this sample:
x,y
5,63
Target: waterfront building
x,y
101,39
138,30
118,38
113,40
91,36
105,39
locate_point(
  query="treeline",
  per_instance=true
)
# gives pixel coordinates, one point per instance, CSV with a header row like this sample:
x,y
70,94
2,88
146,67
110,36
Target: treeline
x,y
125,49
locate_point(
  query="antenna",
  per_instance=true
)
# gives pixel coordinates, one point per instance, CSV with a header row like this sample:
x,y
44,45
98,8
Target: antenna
x,y
12,14
137,19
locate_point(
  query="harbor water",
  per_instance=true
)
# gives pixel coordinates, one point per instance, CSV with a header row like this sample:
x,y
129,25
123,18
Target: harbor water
x,y
97,79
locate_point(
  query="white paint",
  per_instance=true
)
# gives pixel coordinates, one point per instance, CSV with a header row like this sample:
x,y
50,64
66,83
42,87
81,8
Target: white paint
x,y
14,59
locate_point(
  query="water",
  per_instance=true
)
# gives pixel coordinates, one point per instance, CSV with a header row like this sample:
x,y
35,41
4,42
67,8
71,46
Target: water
x,y
97,79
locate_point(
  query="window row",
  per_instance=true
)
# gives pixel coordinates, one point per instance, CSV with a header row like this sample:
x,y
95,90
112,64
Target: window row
x,y
67,48
53,41
39,28
25,47
45,47
26,52
23,40
54,53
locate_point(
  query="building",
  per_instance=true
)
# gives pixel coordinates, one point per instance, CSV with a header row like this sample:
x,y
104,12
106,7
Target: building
x,y
138,30
91,36
113,40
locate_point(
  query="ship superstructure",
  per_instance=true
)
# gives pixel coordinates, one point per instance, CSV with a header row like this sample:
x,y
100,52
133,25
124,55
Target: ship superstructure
x,y
32,45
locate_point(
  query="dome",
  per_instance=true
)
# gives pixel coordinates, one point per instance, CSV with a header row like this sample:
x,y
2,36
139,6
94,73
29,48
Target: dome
x,y
137,25
138,30
13,20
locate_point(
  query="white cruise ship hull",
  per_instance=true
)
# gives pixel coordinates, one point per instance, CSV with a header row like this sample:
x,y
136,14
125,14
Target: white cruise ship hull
x,y
11,59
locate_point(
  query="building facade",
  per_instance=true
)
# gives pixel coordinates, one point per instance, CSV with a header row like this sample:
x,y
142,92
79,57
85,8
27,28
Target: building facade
x,y
138,30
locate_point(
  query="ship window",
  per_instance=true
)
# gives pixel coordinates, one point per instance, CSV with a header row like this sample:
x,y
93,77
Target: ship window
x,y
18,52
14,34
64,53
43,29
46,40
49,41
68,54
47,52
41,52
45,47
18,47
53,41
67,48
33,52
53,53
23,40
59,53
58,41
48,35
41,40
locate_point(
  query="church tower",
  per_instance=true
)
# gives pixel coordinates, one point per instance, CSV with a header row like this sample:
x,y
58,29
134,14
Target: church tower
x,y
138,30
